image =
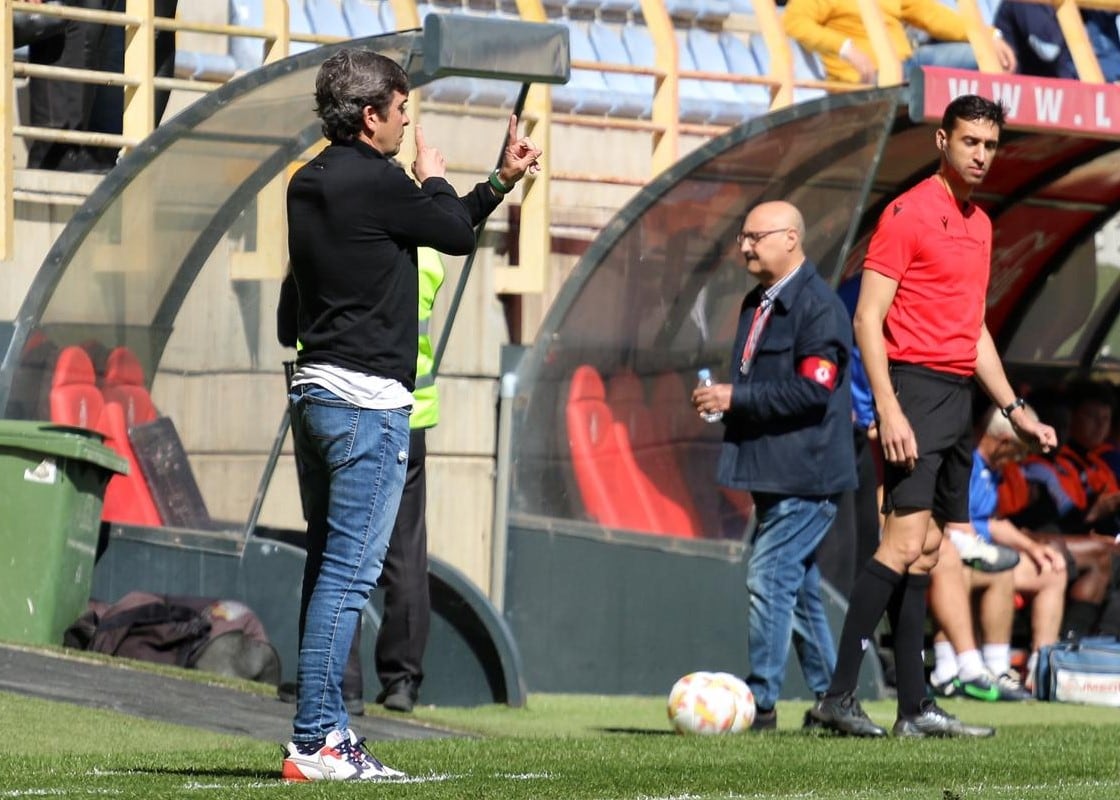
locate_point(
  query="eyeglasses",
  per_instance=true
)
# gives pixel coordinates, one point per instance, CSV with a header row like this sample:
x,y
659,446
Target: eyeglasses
x,y
756,236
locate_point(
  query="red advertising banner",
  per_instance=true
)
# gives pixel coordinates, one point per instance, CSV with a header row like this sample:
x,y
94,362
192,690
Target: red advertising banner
x,y
1047,104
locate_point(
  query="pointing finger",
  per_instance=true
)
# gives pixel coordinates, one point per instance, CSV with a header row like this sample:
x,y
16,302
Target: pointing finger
x,y
420,145
512,128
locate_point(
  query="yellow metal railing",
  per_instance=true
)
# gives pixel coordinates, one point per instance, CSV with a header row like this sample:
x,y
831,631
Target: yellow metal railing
x,y
664,126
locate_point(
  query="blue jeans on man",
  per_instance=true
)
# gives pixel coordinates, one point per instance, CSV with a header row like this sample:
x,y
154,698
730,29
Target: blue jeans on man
x,y
352,465
951,55
784,583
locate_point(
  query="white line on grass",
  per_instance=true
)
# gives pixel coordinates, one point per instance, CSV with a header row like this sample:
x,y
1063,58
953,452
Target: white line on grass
x,y
196,786
56,792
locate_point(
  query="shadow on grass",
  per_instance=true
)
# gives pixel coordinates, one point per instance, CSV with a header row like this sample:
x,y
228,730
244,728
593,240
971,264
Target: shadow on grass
x,y
188,772
638,731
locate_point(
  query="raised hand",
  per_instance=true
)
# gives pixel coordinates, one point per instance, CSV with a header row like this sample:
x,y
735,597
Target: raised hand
x,y
429,161
520,156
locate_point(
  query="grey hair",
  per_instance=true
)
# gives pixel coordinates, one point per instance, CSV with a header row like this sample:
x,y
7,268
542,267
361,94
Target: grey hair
x,y
349,81
998,426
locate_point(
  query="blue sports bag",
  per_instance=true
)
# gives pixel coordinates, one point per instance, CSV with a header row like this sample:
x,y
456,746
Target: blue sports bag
x,y
1082,671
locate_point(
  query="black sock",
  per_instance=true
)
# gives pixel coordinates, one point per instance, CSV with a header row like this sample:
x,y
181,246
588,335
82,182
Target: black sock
x,y
908,626
873,588
1080,618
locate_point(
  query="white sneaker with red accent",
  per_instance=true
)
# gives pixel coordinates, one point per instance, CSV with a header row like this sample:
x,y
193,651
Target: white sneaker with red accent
x,y
341,757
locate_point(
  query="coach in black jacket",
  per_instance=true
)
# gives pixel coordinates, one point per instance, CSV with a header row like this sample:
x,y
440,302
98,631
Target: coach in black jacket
x,y
354,222
788,441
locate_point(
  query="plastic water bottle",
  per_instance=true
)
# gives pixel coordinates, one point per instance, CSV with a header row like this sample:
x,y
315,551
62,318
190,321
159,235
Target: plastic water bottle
x,y
705,376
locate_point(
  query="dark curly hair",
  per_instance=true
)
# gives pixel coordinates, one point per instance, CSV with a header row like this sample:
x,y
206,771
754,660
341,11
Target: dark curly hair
x,y
349,81
972,108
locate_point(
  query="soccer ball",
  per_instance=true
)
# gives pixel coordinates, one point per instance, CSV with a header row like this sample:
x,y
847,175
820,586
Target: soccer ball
x,y
710,703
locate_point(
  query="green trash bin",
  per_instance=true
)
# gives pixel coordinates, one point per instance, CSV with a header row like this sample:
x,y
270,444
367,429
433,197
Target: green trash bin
x,y
52,485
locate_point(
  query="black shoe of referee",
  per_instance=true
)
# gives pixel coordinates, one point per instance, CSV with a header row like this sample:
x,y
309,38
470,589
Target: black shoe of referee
x,y
933,721
843,714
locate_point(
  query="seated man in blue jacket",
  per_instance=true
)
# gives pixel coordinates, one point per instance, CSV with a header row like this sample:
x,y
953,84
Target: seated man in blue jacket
x,y
788,441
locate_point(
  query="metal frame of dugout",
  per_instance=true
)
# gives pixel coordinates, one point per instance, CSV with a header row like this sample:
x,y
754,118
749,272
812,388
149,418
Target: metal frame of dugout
x,y
594,608
123,268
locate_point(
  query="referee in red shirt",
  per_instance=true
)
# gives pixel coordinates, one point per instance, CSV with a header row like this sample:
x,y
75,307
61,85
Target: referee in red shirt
x,y
919,324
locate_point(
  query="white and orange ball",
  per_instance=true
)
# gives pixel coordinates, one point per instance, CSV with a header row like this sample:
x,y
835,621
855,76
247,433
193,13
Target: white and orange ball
x,y
710,703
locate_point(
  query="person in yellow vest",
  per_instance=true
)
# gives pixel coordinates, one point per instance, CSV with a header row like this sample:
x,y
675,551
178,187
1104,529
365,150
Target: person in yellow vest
x,y
405,620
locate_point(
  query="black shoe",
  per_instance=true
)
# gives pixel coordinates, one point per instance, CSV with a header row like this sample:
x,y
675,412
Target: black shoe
x,y
843,714
400,696
765,721
811,723
933,721
355,705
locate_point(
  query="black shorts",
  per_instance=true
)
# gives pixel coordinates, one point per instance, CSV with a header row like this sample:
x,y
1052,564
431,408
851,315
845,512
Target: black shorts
x,y
938,406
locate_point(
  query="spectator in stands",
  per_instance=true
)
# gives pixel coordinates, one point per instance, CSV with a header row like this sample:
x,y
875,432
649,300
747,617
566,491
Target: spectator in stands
x,y
73,106
354,223
787,404
1032,30
927,265
835,30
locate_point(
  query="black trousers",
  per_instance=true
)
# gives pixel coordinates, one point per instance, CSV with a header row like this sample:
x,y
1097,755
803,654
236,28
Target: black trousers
x,y
406,618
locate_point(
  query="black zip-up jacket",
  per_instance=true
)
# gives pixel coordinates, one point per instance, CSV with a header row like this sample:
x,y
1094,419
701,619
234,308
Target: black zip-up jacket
x,y
355,220
788,434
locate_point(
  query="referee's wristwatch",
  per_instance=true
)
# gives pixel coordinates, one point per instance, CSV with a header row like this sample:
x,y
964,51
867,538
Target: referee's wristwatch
x,y
1009,409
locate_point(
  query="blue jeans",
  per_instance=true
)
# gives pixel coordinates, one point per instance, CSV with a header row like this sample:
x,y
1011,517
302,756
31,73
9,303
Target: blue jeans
x,y
785,595
1106,45
352,465
953,55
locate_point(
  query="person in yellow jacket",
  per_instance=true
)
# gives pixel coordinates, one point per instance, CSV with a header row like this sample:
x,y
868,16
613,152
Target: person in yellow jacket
x,y
405,620
834,29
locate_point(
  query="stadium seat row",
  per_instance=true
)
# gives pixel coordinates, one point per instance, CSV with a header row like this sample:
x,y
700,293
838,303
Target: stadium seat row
x,y
591,92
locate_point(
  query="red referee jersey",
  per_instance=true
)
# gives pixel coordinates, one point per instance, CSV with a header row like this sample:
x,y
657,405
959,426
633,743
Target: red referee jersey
x,y
940,254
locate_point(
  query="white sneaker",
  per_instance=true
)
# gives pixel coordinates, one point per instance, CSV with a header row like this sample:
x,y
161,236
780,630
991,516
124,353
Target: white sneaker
x,y
985,557
376,770
342,757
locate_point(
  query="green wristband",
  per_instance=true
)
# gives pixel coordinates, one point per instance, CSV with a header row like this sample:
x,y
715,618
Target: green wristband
x,y
499,187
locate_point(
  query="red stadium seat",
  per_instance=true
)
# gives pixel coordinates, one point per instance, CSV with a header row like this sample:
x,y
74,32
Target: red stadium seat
x,y
124,383
614,490
76,400
696,454
654,455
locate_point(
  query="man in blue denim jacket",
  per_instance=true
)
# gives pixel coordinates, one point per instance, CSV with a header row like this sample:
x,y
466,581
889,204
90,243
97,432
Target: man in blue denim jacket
x,y
788,412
